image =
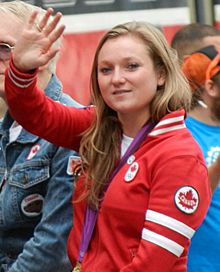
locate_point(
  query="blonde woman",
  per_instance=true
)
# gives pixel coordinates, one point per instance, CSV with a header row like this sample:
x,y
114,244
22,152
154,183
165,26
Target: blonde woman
x,y
139,197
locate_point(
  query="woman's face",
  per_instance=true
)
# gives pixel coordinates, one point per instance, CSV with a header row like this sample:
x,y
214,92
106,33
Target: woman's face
x,y
127,78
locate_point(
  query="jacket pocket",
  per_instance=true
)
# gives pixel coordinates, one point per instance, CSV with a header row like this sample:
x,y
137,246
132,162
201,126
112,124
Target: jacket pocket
x,y
29,174
27,186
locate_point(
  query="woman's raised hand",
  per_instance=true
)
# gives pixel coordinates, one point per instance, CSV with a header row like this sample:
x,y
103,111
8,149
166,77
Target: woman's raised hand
x,y
34,47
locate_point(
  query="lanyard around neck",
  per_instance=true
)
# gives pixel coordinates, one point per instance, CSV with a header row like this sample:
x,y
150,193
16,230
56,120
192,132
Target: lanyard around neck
x,y
91,215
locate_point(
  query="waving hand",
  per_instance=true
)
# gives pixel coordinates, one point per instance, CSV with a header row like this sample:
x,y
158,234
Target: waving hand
x,y
34,47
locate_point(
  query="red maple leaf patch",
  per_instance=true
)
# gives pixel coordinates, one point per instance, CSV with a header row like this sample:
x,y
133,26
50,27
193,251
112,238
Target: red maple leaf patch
x,y
187,199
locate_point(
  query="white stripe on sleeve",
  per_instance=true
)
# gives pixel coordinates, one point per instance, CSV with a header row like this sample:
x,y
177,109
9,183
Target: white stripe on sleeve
x,y
162,241
15,80
20,79
170,223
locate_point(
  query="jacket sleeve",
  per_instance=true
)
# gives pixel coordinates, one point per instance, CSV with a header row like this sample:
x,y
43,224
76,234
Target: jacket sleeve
x,y
179,199
46,249
59,124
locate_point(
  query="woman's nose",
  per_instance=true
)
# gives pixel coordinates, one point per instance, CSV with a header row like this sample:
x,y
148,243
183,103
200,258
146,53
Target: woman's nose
x,y
118,77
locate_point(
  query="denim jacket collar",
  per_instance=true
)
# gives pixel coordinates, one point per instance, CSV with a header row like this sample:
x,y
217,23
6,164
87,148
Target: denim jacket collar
x,y
54,91
54,88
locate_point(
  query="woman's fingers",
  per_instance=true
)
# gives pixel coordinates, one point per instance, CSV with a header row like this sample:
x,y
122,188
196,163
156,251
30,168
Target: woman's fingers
x,y
43,22
31,20
37,40
53,24
54,35
48,27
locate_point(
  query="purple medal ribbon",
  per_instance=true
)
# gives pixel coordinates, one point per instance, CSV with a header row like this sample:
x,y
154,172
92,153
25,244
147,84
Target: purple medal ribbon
x,y
91,215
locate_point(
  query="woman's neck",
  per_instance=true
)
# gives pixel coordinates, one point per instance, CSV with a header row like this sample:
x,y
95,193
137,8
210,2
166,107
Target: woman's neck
x,y
132,124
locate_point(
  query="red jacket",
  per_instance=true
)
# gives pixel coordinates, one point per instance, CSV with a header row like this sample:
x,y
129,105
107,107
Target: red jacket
x,y
154,203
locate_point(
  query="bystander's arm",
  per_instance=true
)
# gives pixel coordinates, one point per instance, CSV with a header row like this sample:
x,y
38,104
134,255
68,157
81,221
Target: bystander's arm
x,y
214,174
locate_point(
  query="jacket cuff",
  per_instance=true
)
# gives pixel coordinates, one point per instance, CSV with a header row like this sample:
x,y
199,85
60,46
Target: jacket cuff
x,y
20,79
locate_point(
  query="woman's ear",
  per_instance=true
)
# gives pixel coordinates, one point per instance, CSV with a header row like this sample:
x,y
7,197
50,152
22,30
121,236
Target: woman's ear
x,y
211,88
161,77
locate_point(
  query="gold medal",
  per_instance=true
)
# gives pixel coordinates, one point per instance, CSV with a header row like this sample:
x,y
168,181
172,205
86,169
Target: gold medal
x,y
77,268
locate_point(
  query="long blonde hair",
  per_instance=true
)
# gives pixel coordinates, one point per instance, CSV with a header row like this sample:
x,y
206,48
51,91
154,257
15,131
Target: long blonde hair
x,y
100,146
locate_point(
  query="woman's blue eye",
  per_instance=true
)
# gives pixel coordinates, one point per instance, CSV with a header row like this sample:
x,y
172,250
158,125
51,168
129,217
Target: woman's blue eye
x,y
133,66
105,70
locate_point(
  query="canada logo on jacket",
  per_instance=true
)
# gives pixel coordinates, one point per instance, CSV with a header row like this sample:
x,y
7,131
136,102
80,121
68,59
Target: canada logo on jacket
x,y
187,199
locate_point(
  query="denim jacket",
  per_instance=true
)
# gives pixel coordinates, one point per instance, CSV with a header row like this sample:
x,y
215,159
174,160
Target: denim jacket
x,y
35,198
